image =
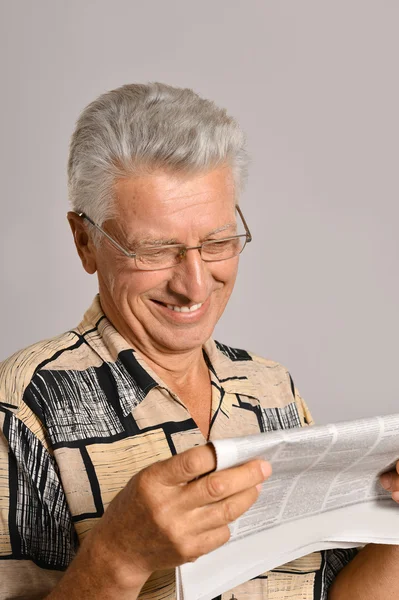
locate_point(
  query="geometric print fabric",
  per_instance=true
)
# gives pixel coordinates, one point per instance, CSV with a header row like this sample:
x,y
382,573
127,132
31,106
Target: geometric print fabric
x,y
82,413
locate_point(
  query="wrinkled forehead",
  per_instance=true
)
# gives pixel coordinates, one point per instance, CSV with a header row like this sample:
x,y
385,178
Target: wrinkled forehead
x,y
164,203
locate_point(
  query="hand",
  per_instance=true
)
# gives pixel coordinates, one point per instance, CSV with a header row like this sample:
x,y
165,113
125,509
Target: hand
x,y
165,516
390,481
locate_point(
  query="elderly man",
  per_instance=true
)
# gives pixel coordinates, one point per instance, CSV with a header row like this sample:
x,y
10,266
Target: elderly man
x,y
105,427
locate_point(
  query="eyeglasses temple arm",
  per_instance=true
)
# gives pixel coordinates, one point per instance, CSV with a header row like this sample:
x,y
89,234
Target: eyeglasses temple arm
x,y
114,242
249,235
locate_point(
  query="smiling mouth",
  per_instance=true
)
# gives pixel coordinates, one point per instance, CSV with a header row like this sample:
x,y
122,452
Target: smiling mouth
x,y
183,309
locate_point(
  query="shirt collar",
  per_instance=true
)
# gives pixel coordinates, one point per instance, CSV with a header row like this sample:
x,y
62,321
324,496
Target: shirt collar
x,y
234,369
230,369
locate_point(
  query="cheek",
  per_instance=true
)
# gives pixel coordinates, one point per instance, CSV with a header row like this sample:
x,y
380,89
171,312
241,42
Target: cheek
x,y
134,284
107,272
226,272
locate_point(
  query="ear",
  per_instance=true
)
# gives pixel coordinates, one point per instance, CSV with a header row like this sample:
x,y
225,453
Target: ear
x,y
83,242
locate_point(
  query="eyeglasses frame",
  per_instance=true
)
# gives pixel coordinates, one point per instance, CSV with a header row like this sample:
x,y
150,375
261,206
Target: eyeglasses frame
x,y
248,238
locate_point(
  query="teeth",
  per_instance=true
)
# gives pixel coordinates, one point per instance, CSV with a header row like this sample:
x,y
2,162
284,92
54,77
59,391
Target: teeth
x,y
185,308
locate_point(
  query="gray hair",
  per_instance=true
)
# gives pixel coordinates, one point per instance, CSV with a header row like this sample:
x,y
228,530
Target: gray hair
x,y
150,126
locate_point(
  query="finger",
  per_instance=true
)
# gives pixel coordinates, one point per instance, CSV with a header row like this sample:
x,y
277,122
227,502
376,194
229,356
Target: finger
x,y
221,484
395,482
390,481
395,496
226,511
186,466
206,542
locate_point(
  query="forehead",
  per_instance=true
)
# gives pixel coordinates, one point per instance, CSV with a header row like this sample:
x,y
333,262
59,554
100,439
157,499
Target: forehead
x,y
162,202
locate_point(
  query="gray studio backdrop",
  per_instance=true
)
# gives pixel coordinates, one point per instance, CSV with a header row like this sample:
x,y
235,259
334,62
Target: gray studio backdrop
x,y
315,86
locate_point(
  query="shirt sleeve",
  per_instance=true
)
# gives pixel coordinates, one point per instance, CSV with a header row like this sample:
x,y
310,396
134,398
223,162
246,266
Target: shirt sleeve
x,y
303,410
335,561
37,537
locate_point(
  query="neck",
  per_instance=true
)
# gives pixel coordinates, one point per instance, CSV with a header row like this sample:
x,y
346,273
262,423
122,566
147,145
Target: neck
x,y
177,369
180,371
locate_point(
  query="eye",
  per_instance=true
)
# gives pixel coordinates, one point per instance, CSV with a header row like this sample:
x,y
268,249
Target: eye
x,y
155,252
221,244
157,255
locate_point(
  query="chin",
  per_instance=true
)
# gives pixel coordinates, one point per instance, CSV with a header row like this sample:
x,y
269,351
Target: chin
x,y
186,341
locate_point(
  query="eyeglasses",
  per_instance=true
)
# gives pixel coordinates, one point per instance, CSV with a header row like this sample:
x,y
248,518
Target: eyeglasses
x,y
156,258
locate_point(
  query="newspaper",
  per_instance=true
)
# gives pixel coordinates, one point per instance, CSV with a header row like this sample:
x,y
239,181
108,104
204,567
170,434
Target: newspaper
x,y
324,493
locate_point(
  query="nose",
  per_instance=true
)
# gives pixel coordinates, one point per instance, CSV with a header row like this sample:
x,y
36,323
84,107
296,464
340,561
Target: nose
x,y
191,278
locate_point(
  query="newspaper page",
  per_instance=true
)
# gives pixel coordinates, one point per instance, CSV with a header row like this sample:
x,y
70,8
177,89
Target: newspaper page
x,y
324,493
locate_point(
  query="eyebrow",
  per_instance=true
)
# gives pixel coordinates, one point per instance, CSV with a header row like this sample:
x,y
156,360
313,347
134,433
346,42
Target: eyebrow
x,y
150,241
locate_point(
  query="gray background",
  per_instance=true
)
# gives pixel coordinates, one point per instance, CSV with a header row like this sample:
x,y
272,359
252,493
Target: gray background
x,y
315,86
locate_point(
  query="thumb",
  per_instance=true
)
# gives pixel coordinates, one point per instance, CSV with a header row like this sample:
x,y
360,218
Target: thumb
x,y
186,466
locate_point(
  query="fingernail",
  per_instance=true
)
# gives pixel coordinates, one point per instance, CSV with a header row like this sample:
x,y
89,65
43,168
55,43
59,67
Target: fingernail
x,y
259,487
386,480
265,469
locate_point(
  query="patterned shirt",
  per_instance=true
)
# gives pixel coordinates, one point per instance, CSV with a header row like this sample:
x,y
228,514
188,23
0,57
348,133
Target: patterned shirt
x,y
81,413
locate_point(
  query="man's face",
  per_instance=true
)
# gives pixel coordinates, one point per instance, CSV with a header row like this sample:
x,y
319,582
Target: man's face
x,y
164,207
